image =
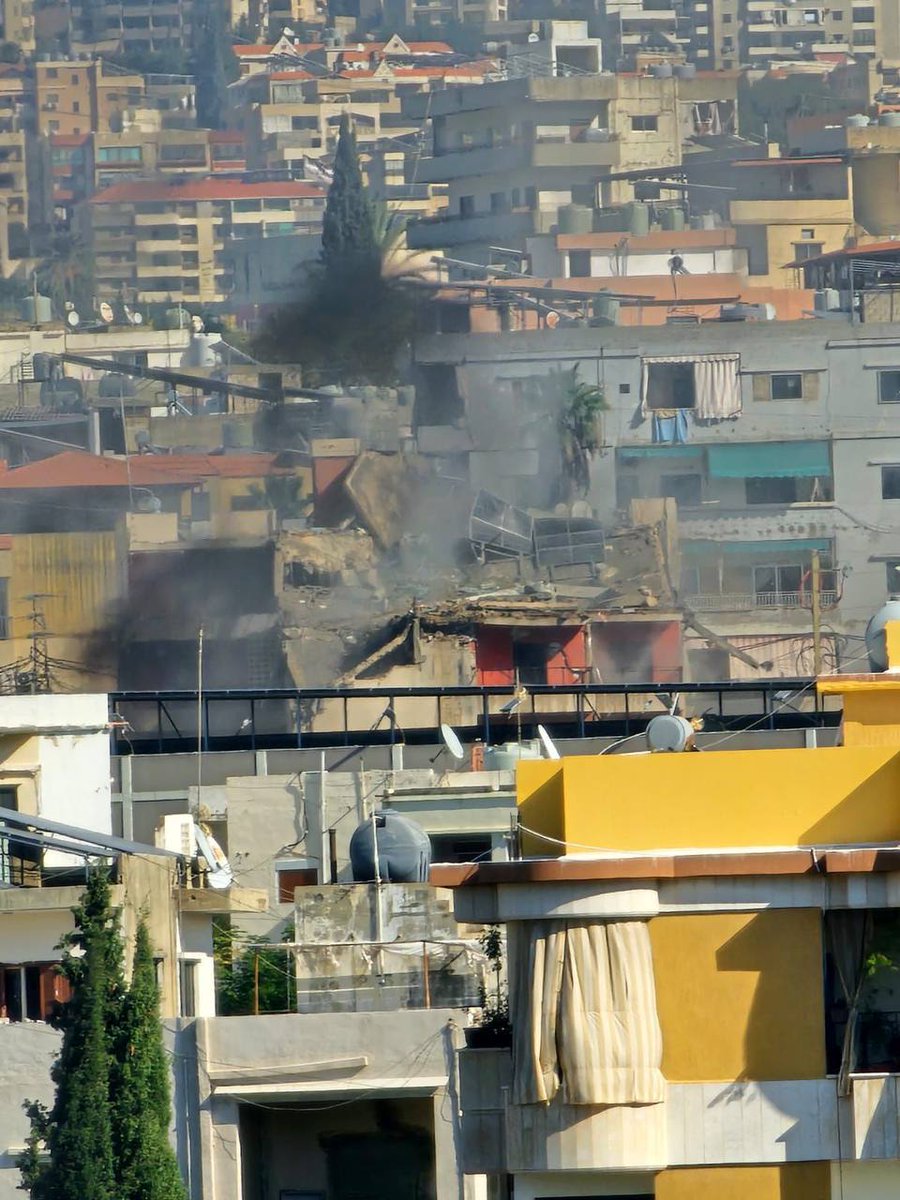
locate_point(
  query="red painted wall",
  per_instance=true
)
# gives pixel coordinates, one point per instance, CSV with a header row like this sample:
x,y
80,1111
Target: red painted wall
x,y
638,652
494,653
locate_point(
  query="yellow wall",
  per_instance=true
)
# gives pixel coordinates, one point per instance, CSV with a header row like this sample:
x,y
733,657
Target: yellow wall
x,y
740,995
876,188
81,575
711,800
788,1181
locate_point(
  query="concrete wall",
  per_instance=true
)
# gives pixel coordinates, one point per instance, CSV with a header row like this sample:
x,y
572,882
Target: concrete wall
x,y
846,359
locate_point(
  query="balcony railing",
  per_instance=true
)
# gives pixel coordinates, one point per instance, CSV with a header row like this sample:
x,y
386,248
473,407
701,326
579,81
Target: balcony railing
x,y
745,601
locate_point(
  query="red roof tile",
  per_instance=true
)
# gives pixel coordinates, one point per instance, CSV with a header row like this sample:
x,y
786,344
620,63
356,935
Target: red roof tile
x,y
205,189
76,469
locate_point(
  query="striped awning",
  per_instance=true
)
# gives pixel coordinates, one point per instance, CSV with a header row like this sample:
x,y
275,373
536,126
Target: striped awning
x,y
583,1009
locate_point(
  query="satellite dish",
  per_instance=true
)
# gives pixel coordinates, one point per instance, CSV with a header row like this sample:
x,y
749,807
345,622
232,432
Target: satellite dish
x,y
137,318
106,313
547,742
219,874
72,319
552,319
451,741
197,324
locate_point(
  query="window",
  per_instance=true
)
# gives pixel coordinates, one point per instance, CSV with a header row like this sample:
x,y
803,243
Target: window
x,y
690,581
52,73
624,389
837,15
727,18
806,250
116,154
807,234
787,489
293,877
530,662
645,124
892,576
31,991
75,80
76,106
787,387
460,847
249,502
889,387
183,152
685,489
864,15
499,203
579,264
670,385
467,206
890,483
200,509
187,973
776,581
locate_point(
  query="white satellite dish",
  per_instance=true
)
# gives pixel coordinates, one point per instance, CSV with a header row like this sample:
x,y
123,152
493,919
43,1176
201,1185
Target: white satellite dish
x,y
137,318
219,874
72,319
547,742
197,324
451,741
106,313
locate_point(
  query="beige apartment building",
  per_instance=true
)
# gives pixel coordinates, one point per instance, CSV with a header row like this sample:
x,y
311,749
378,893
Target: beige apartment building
x,y
75,96
732,33
131,25
159,241
18,23
516,156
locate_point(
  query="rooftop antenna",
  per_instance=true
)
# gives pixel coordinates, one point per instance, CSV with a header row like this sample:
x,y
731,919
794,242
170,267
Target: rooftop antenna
x,y
199,714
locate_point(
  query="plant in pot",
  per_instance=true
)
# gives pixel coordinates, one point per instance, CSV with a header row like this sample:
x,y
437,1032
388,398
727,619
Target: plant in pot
x,y
494,1029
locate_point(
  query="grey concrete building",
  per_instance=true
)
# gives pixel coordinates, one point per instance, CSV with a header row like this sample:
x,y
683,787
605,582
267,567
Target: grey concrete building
x,y
777,440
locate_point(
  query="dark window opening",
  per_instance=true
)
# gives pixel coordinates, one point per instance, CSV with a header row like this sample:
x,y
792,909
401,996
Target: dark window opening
x,y
892,576
530,662
579,264
295,877
787,387
460,847
890,483
862,950
788,489
889,387
686,490
670,385
645,124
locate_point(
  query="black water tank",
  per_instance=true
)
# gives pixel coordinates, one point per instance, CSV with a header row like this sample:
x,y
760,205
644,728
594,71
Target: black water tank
x,y
404,850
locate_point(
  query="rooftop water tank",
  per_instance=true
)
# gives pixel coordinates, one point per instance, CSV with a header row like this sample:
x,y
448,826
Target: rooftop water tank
x,y
670,733
575,218
685,71
639,218
510,754
891,119
661,70
672,219
403,849
875,639
857,121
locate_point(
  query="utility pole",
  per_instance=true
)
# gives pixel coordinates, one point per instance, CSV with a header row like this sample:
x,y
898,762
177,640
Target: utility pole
x,y
39,658
816,613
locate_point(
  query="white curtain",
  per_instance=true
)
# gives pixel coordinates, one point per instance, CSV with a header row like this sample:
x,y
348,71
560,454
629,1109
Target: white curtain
x,y
716,386
583,1007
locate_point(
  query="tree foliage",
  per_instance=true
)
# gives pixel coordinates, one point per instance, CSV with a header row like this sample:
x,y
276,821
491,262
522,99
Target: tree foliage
x,y
353,317
579,429
106,1133
213,63
250,978
348,227
147,1166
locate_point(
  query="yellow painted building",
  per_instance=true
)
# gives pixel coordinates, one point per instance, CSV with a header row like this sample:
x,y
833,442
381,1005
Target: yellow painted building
x,y
702,959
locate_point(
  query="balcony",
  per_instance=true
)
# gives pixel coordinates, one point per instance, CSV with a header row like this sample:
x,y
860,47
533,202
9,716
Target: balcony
x,y
752,602
433,233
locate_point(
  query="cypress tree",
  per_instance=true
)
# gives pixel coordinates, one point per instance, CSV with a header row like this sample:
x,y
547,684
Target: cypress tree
x,y
348,226
78,1128
209,64
148,1169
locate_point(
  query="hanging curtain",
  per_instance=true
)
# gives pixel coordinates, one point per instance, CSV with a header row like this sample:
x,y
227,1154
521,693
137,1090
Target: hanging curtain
x,y
583,1007
849,940
717,388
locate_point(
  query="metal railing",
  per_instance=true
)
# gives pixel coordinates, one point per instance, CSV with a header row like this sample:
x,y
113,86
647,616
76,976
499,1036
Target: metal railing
x,y
743,601
294,718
